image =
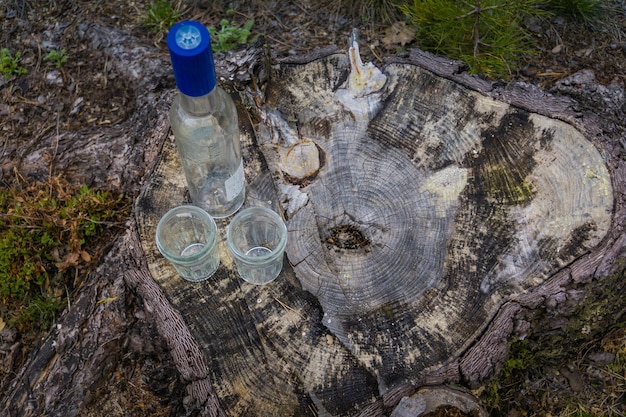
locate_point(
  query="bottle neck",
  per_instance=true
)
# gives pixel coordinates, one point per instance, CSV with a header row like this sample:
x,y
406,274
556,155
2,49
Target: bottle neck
x,y
201,105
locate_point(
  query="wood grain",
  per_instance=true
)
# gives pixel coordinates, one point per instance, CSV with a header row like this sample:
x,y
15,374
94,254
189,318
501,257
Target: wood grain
x,y
268,351
352,182
459,203
415,214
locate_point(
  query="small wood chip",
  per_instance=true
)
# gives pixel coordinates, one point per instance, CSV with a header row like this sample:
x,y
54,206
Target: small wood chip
x,y
574,379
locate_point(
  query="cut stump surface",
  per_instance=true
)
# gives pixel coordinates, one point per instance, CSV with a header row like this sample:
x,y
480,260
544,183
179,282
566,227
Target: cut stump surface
x,y
416,208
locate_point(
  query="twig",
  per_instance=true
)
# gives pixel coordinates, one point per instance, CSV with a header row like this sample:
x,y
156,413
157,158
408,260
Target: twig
x,y
289,309
56,147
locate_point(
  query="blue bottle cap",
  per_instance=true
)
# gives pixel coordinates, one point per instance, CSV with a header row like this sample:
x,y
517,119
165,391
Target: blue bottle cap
x,y
189,43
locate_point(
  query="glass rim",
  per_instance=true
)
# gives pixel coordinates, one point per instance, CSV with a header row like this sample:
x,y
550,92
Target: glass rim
x,y
206,249
255,260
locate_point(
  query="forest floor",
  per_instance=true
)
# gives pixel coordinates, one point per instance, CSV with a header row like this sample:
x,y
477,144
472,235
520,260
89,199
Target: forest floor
x,y
580,370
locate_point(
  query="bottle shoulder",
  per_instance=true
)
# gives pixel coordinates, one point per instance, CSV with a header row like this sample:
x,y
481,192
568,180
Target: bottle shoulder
x,y
215,107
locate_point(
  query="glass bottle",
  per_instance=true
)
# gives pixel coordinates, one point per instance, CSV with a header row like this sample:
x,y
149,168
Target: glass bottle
x,y
204,120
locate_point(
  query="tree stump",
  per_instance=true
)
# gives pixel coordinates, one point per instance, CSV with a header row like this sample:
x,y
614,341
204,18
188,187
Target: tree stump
x,y
428,212
423,212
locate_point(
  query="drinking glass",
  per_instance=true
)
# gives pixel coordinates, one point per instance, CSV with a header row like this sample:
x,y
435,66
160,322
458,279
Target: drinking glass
x,y
187,237
256,238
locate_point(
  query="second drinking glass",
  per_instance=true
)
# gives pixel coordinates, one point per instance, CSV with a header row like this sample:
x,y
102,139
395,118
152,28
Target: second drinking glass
x,y
257,237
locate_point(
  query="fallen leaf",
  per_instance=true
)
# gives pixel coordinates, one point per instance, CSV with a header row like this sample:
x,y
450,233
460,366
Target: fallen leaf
x,y
2,324
574,379
69,260
398,34
85,256
557,49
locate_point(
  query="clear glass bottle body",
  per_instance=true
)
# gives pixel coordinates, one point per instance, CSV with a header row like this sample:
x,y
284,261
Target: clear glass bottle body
x,y
207,136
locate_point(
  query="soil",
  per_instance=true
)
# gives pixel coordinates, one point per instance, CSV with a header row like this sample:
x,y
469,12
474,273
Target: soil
x,y
586,60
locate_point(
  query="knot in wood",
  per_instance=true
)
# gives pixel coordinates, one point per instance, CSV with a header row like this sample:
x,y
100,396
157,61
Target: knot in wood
x,y
347,237
302,162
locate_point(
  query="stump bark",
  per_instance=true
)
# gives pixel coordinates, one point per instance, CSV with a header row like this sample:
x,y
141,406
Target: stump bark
x,y
420,211
427,215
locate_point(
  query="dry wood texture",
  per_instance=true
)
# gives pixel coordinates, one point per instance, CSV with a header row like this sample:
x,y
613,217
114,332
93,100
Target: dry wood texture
x,y
428,211
416,208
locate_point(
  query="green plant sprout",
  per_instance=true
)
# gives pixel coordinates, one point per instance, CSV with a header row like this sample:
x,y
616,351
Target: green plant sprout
x,y
9,64
229,36
487,35
161,16
58,58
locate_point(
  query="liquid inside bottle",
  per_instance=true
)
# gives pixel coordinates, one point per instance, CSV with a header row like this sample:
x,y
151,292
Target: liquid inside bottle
x,y
204,120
